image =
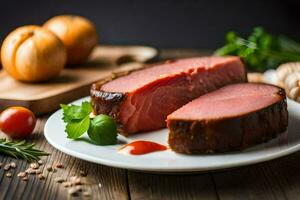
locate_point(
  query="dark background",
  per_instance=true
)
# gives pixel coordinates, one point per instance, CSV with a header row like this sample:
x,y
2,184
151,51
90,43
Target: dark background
x,y
186,24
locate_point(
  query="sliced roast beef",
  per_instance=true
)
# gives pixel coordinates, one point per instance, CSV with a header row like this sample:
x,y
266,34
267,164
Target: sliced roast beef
x,y
231,118
141,100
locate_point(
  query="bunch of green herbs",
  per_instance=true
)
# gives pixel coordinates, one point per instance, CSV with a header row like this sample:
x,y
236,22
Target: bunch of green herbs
x,y
261,50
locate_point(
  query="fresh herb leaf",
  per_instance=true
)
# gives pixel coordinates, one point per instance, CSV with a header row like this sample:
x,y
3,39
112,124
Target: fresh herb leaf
x,y
261,50
21,150
74,112
76,128
103,130
77,119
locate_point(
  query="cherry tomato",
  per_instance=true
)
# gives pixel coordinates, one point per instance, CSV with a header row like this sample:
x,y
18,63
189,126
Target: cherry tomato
x,y
17,122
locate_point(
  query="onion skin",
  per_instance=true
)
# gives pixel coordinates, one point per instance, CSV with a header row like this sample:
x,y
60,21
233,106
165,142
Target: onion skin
x,y
78,34
33,54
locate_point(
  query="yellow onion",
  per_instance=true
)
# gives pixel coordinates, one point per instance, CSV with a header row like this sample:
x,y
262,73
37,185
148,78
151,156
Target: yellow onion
x,y
78,34
33,54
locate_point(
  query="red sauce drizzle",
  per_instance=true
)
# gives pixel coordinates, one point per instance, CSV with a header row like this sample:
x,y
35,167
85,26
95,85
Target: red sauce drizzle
x,y
142,147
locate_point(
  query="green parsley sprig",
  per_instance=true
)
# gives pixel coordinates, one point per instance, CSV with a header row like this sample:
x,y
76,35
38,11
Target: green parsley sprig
x,y
261,50
102,129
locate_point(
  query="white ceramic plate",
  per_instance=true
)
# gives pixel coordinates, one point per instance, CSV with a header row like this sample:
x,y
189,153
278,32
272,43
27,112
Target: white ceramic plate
x,y
168,161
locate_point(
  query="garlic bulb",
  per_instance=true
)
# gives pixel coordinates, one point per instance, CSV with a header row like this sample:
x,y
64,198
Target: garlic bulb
x,y
287,68
292,85
289,77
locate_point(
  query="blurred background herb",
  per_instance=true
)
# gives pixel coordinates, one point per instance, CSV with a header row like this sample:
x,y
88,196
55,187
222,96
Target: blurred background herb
x,y
261,50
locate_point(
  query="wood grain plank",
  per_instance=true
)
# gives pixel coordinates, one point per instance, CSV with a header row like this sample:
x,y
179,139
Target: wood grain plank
x,y
113,181
286,173
175,53
158,186
262,181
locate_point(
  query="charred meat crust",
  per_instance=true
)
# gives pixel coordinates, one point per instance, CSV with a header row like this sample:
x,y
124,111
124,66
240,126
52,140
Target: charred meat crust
x,y
106,102
231,134
109,102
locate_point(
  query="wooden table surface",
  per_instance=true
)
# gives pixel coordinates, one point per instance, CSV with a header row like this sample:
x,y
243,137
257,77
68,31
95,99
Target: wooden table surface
x,y
277,179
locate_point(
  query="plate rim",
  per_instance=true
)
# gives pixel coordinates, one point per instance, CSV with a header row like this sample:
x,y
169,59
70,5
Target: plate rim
x,y
163,169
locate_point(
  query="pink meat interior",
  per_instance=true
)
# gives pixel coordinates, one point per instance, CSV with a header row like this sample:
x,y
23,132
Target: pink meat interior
x,y
229,101
140,78
153,93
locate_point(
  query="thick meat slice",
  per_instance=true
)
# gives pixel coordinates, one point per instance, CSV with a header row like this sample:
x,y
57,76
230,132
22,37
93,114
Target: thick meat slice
x,y
232,118
141,100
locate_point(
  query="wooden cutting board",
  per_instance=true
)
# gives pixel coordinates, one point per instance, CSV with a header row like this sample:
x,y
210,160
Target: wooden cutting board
x,y
74,82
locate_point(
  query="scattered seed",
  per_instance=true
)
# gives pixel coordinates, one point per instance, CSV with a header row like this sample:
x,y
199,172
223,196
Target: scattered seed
x,y
79,188
59,179
100,185
25,178
38,171
40,162
22,174
86,194
8,174
73,191
83,173
49,168
6,167
59,166
67,184
73,178
30,171
13,165
41,176
77,181
34,165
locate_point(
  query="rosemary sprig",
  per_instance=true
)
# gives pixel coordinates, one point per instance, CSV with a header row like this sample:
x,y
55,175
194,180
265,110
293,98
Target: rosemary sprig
x,y
20,149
